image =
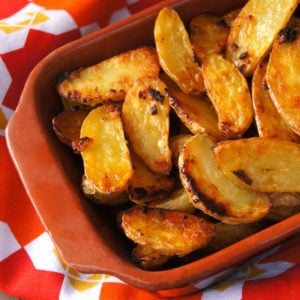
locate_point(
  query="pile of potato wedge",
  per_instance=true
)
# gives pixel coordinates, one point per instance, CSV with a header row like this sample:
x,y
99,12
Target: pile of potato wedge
x,y
195,138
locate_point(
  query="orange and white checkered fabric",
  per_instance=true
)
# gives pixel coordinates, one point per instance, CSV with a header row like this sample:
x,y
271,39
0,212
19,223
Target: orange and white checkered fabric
x,y
30,267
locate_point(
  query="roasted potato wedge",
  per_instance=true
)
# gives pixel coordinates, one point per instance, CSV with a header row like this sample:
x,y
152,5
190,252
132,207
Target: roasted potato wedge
x,y
197,114
145,115
109,79
167,231
175,52
211,191
228,90
67,125
268,121
145,186
228,234
282,76
92,192
179,200
148,258
104,151
260,164
208,35
284,205
254,31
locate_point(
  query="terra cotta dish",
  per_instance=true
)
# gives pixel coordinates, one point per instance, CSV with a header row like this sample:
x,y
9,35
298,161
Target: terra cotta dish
x,y
85,235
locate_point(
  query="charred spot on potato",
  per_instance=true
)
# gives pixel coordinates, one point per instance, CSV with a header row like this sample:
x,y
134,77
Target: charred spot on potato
x,y
154,110
142,95
234,46
112,108
156,95
197,60
265,85
287,35
211,204
81,144
243,55
241,174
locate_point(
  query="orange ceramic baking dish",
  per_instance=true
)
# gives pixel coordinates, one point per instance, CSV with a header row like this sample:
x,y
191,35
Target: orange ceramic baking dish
x,y
85,235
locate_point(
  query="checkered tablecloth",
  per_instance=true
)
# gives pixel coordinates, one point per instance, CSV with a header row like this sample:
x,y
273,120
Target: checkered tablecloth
x,y
30,267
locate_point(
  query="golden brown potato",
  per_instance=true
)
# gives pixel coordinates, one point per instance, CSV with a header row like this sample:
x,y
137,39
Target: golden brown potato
x,y
260,164
282,76
167,231
92,192
208,34
228,90
268,121
104,151
254,30
209,189
284,205
197,114
145,186
148,258
175,52
109,79
179,200
145,115
67,125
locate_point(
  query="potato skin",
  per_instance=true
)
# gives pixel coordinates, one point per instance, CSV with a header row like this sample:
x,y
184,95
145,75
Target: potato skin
x,y
208,34
92,192
213,193
269,165
145,117
167,231
148,258
197,114
229,92
282,75
146,186
175,52
103,137
228,234
179,200
110,78
284,205
268,121
67,125
254,30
